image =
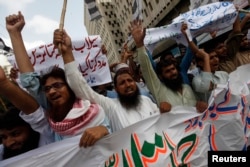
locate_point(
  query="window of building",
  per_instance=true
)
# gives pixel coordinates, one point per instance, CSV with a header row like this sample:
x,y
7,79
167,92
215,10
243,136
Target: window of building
x,y
146,14
150,6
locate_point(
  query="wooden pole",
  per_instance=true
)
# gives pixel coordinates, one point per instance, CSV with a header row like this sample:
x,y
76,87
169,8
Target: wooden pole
x,y
3,104
61,25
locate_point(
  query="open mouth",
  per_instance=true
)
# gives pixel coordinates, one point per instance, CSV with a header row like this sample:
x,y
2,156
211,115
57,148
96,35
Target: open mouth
x,y
55,98
129,91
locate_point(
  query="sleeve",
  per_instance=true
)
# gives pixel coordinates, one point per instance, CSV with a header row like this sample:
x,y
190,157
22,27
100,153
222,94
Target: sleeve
x,y
151,59
106,123
39,123
30,81
185,63
151,78
201,83
82,90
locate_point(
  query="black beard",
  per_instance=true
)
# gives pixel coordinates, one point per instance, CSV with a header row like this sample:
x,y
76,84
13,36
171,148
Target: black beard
x,y
30,144
130,102
174,84
242,49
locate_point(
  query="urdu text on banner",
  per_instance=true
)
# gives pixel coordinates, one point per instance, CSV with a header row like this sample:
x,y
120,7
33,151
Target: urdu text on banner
x,y
172,139
87,52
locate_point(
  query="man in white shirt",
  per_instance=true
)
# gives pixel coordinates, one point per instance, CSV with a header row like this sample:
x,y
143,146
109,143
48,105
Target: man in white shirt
x,y
127,109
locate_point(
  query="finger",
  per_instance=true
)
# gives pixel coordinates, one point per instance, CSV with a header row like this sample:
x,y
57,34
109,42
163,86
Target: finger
x,y
83,139
93,141
89,141
20,16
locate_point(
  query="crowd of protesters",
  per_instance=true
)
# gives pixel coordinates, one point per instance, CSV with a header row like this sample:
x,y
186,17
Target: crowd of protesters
x,y
60,104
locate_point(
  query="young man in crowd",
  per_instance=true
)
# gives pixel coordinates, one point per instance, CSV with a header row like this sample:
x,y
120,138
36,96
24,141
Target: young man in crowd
x,y
129,108
167,87
16,135
67,115
209,76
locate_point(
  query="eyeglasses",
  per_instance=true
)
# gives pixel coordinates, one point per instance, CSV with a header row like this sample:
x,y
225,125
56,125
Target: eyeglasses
x,y
56,86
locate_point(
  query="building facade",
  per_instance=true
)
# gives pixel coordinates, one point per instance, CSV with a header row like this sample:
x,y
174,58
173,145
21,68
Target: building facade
x,y
116,17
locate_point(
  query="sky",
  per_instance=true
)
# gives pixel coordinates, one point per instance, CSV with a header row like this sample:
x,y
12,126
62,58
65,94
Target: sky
x,y
42,17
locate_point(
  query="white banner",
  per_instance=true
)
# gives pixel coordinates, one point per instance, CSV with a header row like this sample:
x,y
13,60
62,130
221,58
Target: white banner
x,y
197,3
87,52
208,18
172,139
137,10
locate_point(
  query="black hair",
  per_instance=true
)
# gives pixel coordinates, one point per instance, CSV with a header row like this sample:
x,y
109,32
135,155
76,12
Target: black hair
x,y
11,119
162,57
56,72
165,63
120,72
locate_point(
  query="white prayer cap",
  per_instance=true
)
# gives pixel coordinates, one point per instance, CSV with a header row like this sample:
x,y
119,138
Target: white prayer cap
x,y
120,66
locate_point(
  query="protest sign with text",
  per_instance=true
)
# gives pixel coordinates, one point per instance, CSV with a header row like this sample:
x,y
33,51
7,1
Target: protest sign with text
x,y
93,64
181,137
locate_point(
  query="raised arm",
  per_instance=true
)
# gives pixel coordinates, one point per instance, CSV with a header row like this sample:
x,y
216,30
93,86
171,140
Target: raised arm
x,y
200,53
151,78
29,79
66,48
244,20
18,97
14,25
74,78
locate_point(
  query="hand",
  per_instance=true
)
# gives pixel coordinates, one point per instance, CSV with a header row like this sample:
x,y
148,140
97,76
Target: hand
x,y
91,135
104,50
14,74
61,37
111,67
213,34
126,55
202,55
165,107
201,106
184,28
138,32
15,23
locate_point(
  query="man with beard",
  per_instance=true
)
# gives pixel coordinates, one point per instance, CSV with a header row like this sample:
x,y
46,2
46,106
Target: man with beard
x,y
129,108
169,90
16,135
